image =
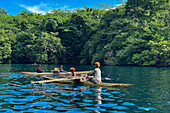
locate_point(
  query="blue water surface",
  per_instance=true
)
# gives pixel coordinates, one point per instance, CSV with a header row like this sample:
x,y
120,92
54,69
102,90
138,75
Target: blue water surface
x,y
149,92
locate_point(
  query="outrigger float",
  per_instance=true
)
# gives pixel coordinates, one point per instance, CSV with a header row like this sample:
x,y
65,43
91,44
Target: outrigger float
x,y
78,80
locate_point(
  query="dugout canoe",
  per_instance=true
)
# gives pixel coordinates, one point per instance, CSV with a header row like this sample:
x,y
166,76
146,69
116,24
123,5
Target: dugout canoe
x,y
71,81
55,73
69,73
35,73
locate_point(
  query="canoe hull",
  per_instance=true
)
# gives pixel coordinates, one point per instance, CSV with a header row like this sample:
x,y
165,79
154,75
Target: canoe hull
x,y
60,73
69,73
102,84
35,73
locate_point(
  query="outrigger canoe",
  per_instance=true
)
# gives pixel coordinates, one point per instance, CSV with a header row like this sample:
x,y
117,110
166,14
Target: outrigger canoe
x,y
55,73
35,73
69,73
80,81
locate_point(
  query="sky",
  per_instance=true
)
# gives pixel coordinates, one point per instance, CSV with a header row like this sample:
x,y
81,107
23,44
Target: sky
x,y
43,6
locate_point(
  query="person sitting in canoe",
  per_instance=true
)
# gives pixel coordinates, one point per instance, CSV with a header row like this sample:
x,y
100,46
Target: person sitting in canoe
x,y
39,69
61,68
97,78
73,72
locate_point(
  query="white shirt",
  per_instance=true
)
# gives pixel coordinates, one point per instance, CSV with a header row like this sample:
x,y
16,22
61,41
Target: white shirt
x,y
97,75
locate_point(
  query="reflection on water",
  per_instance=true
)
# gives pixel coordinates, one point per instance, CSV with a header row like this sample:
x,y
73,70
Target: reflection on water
x,y
150,92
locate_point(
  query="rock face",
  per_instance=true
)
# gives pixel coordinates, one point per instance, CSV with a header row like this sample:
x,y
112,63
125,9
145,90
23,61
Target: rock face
x,y
107,57
108,54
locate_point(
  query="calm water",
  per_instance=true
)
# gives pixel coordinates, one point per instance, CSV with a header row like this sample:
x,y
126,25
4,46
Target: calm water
x,y
150,92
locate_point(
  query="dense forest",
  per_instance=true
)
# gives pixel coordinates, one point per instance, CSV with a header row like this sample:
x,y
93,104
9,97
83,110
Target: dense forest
x,y
135,33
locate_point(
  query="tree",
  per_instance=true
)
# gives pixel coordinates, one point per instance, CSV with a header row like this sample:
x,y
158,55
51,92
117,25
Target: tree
x,y
3,11
50,24
7,38
29,48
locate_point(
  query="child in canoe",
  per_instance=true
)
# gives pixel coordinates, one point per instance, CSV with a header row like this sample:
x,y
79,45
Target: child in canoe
x,y
97,78
61,69
73,72
39,69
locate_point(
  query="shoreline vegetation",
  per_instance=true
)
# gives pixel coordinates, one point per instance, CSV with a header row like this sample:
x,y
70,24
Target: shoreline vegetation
x,y
136,33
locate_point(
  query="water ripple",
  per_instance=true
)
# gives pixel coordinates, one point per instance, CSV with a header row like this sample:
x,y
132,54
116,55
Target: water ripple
x,y
18,95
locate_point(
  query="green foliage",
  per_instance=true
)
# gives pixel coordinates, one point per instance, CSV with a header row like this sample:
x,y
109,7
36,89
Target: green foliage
x,y
158,55
50,24
135,33
3,11
75,33
7,38
41,49
127,32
